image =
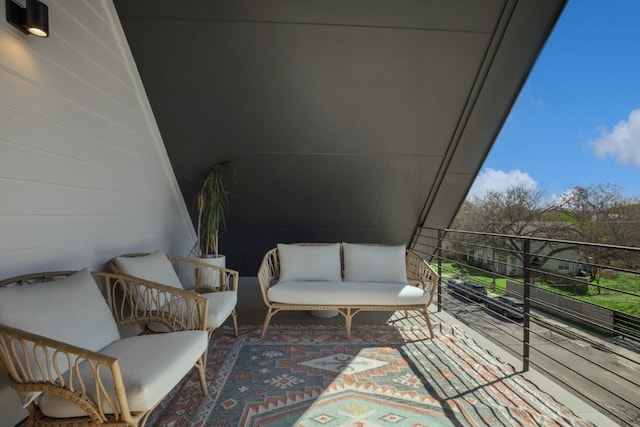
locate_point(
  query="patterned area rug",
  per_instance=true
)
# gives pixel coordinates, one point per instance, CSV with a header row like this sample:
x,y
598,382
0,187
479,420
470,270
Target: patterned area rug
x,y
381,376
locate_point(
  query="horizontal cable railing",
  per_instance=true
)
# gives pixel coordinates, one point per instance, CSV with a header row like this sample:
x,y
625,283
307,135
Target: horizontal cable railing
x,y
569,309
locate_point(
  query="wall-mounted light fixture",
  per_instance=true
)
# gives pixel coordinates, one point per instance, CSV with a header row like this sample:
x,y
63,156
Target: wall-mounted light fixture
x,y
31,19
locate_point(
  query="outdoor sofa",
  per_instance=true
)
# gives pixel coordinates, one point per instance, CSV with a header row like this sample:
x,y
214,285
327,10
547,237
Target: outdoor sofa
x,y
347,278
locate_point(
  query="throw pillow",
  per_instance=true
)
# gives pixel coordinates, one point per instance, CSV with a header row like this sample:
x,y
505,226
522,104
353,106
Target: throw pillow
x,y
154,267
374,263
309,262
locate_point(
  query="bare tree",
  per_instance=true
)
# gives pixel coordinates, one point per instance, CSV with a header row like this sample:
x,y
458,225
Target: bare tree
x,y
596,214
517,212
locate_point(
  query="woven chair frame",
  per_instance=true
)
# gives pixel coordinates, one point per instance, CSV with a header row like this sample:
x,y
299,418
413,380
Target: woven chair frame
x,y
419,273
37,364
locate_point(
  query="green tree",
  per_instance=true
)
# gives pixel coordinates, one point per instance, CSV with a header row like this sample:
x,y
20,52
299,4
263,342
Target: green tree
x,y
601,214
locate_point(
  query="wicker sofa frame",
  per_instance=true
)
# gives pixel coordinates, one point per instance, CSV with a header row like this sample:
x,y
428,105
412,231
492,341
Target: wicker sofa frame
x,y
19,349
419,273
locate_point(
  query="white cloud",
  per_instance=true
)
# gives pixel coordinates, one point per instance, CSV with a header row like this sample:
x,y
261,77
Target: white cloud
x,y
623,142
566,196
497,180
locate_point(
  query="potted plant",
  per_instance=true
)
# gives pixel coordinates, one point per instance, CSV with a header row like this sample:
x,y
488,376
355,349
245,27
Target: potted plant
x,y
212,201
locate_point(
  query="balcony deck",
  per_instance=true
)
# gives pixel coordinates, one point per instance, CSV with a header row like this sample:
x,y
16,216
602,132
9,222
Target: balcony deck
x,y
251,311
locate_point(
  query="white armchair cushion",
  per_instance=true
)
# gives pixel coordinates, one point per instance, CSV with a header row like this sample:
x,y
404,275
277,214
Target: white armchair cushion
x,y
155,267
150,368
71,310
309,262
221,304
373,263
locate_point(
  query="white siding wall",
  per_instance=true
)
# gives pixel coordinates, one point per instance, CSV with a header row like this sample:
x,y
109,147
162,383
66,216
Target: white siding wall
x,y
84,175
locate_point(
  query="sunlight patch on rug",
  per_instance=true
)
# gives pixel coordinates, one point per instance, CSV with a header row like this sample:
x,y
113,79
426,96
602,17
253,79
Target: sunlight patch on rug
x,y
344,363
381,376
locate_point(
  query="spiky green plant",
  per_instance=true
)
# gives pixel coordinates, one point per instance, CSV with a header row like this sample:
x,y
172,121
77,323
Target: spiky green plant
x,y
211,203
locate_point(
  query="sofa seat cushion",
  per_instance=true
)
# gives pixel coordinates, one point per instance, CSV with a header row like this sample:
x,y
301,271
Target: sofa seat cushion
x,y
347,293
150,367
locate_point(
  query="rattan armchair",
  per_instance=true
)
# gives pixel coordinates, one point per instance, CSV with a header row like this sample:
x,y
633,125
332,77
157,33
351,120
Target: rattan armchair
x,y
60,345
217,284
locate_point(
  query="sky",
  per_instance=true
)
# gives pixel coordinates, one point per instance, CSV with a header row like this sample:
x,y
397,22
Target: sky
x,y
576,121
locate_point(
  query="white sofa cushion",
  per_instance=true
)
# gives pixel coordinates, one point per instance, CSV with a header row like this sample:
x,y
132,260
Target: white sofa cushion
x,y
150,367
373,263
309,262
155,267
347,293
71,310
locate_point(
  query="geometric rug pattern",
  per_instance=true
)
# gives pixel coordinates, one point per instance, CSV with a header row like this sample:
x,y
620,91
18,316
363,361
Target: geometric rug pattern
x,y
382,376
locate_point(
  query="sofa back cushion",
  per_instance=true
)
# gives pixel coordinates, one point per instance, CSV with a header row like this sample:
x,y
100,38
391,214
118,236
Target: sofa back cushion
x,y
374,263
71,310
309,262
155,267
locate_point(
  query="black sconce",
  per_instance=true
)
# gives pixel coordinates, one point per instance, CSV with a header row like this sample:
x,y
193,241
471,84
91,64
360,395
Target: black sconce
x,y
31,19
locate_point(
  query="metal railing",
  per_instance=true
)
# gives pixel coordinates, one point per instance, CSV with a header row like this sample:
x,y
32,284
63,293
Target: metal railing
x,y
573,311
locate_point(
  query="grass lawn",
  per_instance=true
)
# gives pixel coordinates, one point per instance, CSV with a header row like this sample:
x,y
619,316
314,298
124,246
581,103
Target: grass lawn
x,y
612,299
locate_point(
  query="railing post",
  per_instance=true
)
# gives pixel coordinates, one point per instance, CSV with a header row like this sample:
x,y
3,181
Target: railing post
x,y
526,249
440,269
